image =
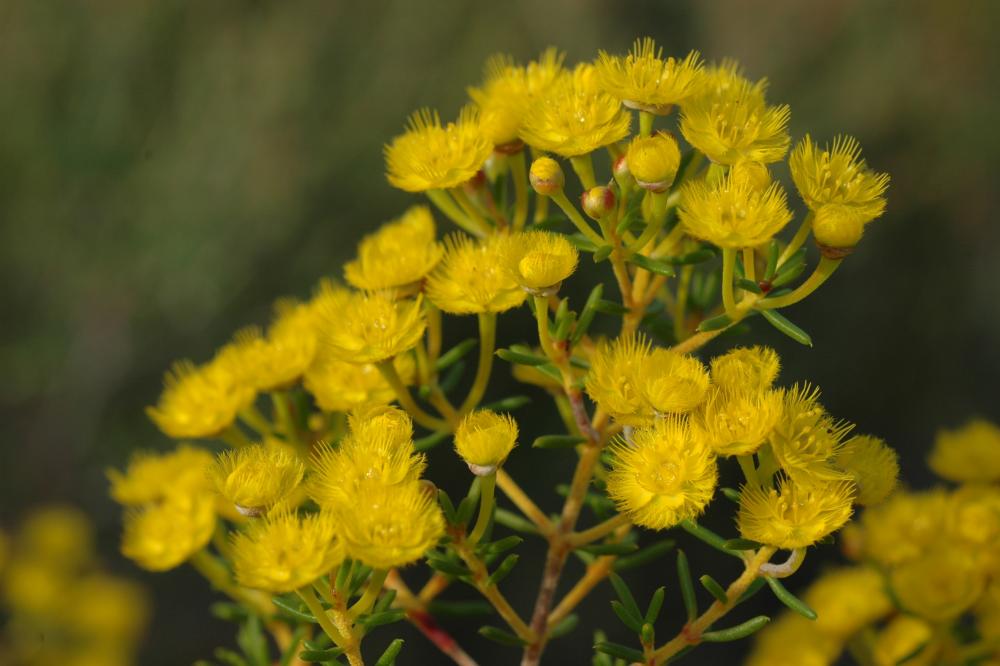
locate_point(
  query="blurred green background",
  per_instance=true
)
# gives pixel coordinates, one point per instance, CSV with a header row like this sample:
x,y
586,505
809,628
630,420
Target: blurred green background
x,y
170,168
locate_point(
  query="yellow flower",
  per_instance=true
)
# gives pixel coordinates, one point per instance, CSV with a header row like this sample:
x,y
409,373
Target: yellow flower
x,y
539,260
872,464
398,255
508,91
60,537
753,174
847,599
746,369
735,423
163,536
900,640
794,516
392,526
340,386
792,640
611,382
837,178
671,383
484,439
378,422
285,552
939,585
735,124
574,116
200,401
151,477
665,475
471,278
733,214
430,157
372,327
904,526
837,227
255,478
645,80
278,360
969,454
653,161
805,439
726,78
974,515
107,609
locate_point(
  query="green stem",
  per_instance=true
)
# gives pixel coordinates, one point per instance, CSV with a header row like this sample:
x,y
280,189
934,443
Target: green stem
x,y
583,165
574,216
749,264
309,597
487,343
487,492
283,412
470,209
372,590
654,225
797,240
824,269
541,208
542,317
447,205
645,123
519,172
433,333
388,371
598,531
728,269
680,307
749,471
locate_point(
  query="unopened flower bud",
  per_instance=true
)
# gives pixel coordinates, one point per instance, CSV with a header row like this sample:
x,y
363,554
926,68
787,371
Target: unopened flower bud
x,y
836,230
546,176
598,202
653,161
484,439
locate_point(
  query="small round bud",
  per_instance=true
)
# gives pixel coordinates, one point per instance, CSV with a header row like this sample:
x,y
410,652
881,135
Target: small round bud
x,y
484,439
546,176
836,230
753,174
598,202
653,161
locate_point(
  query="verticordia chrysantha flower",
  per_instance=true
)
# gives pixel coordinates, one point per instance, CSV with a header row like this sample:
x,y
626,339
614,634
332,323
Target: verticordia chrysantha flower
x,y
257,477
793,516
472,278
429,156
399,254
373,327
645,80
733,214
484,438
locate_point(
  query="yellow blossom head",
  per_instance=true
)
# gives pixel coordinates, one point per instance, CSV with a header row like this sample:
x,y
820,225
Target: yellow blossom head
x,y
59,537
736,423
672,383
836,229
200,401
969,453
546,176
733,213
974,515
611,382
872,464
939,585
746,369
484,439
847,599
645,80
429,156
151,477
340,386
837,176
794,516
805,440
900,640
472,278
285,551
398,255
392,526
574,116
735,124
653,161
163,536
754,174
378,422
277,360
540,260
373,327
904,526
663,476
255,478
792,640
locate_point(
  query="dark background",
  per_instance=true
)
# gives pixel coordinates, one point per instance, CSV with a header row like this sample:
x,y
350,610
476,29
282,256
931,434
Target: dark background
x,y
170,168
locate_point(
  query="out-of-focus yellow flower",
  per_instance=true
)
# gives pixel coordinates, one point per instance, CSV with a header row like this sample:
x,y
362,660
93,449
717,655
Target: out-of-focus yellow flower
x,y
277,360
736,423
151,477
653,161
508,91
340,386
32,587
645,80
107,609
872,464
484,439
746,369
611,382
472,278
837,176
974,515
672,383
806,439
257,477
392,526
847,599
904,526
429,156
735,124
665,475
968,454
539,260
60,537
794,516
373,327
574,116
398,255
900,640
726,78
733,214
163,536
285,551
939,585
792,640
201,401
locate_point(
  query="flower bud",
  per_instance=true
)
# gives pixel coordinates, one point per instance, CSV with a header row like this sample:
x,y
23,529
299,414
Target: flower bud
x,y
546,176
621,173
484,439
598,202
654,160
836,230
